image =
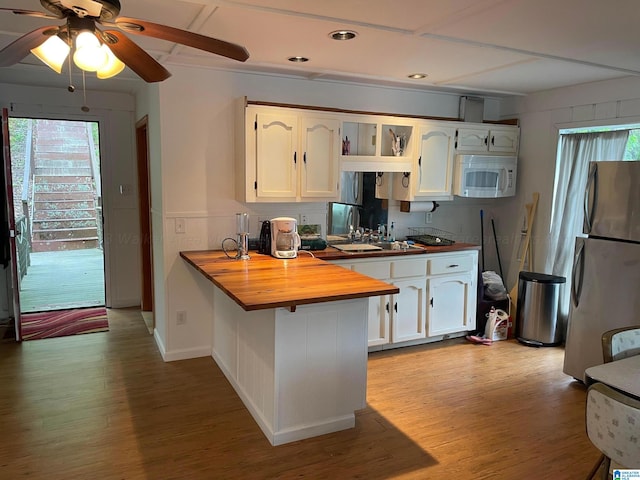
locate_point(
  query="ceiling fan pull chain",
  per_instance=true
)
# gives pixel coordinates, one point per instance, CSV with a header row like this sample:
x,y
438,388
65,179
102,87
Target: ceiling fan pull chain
x,y
71,87
84,107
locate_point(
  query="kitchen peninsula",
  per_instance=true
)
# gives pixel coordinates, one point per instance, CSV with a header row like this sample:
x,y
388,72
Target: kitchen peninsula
x,y
291,337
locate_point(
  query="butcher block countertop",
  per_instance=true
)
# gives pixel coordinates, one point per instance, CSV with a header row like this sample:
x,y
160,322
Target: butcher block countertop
x,y
265,282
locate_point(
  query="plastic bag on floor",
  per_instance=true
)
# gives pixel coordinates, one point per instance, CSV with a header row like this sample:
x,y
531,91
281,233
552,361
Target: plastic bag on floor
x,y
493,287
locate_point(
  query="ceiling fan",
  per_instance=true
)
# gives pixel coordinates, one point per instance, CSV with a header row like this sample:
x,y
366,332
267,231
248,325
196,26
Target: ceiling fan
x,y
83,21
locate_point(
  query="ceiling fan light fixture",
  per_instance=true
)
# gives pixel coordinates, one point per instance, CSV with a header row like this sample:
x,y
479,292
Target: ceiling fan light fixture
x,y
113,66
298,59
417,76
89,55
53,52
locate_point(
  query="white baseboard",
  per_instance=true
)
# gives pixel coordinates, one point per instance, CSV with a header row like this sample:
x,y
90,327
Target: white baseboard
x,y
183,354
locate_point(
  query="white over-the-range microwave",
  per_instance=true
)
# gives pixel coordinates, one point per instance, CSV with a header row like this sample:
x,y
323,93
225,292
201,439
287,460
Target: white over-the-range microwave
x,y
485,176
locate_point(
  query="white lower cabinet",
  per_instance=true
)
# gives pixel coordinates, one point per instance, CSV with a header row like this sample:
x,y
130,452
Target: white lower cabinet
x,y
452,290
437,296
408,311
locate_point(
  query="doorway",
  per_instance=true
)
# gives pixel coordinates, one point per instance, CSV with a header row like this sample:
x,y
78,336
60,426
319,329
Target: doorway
x,y
57,197
146,234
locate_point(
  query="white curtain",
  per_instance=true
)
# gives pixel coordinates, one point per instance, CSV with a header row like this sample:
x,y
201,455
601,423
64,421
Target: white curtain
x,y
575,151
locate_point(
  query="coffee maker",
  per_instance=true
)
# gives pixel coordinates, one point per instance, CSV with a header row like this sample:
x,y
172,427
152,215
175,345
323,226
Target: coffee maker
x,y
285,240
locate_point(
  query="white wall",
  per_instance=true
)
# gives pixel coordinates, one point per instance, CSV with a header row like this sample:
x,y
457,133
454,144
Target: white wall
x,y
197,162
114,112
541,116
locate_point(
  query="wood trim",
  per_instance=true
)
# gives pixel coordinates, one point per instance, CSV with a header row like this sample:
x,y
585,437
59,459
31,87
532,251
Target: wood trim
x,y
144,199
511,121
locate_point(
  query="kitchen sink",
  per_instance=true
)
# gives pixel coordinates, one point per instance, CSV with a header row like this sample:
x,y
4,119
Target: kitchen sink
x,y
395,246
374,247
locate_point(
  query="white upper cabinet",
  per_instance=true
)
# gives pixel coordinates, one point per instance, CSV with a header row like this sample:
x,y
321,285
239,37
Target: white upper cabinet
x,y
488,138
320,168
430,177
376,143
287,155
276,155
291,154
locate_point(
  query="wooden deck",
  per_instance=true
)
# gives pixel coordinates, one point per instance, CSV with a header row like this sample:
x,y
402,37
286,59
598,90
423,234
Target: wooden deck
x,y
63,279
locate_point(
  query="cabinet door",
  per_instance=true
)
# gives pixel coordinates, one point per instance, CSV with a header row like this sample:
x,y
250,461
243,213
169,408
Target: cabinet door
x,y
378,320
449,308
276,155
472,139
408,310
435,162
320,158
505,141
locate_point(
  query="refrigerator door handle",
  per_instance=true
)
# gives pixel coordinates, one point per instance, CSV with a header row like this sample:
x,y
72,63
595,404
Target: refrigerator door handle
x,y
576,283
590,197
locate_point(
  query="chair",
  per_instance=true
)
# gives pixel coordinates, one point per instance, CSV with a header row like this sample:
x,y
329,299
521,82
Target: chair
x,y
613,421
621,343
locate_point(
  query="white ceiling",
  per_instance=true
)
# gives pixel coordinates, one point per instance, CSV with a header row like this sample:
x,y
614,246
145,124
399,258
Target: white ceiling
x,y
491,47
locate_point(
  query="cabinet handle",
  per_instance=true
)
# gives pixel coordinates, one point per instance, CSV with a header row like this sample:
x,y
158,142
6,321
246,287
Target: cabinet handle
x,y
486,139
304,158
453,266
387,307
493,140
405,179
431,302
420,161
295,158
395,307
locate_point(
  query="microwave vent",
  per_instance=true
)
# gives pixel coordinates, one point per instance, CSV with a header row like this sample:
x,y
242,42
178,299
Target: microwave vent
x,y
472,109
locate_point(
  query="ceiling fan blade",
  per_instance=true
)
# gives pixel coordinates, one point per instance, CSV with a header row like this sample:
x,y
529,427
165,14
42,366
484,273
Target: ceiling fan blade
x,y
31,13
183,37
135,57
16,51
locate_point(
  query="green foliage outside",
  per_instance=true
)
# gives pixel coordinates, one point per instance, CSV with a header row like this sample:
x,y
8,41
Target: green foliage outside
x,y
632,152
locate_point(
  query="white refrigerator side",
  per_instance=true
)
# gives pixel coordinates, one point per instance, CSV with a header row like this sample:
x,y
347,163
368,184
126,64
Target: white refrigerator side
x,y
605,286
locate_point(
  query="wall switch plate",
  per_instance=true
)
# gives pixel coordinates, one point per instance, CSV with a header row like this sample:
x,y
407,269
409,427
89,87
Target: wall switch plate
x,y
181,317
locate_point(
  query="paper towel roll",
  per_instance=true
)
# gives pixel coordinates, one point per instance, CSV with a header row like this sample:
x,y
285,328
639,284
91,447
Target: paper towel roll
x,y
418,206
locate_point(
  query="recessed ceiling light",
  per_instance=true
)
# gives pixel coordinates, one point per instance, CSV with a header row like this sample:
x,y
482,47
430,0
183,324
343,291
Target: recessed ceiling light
x,y
343,34
298,59
417,76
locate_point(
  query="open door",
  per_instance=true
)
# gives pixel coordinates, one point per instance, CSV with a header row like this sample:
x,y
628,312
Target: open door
x,y
12,256
146,245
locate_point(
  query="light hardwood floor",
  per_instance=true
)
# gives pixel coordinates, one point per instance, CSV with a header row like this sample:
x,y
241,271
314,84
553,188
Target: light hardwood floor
x,y
105,406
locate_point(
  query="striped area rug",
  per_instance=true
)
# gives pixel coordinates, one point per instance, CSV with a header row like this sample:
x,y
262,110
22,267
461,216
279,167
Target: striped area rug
x,y
62,323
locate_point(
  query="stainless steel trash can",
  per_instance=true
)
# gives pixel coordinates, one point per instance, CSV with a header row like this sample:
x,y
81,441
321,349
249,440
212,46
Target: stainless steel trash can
x,y
537,310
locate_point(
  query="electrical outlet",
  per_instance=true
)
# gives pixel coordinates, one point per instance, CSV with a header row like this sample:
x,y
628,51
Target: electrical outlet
x,y
428,217
181,317
304,220
180,225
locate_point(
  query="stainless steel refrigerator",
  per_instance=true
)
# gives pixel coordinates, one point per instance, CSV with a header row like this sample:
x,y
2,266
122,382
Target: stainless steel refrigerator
x,y
605,282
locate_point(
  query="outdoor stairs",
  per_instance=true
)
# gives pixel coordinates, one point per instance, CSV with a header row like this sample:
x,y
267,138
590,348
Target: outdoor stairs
x,y
64,213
